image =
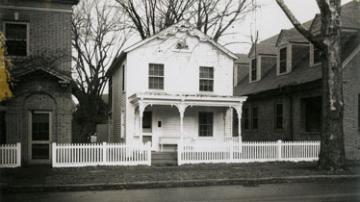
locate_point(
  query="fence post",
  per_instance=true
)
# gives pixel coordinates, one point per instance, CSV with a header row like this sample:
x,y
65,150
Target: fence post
x,y
53,154
104,153
179,147
148,150
18,154
231,152
279,142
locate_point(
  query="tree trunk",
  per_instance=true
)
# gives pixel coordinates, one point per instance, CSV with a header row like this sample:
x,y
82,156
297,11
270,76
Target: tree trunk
x,y
332,152
90,112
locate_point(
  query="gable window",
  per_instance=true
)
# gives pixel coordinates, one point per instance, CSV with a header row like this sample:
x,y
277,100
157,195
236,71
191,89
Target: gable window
x,y
147,121
246,119
206,79
206,121
16,35
283,60
253,71
156,76
254,118
279,118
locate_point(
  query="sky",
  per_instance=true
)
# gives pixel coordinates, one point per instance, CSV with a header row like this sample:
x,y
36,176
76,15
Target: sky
x,y
270,19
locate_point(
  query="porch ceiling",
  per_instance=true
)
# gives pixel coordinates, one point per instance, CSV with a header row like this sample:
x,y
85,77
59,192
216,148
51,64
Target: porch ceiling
x,y
187,99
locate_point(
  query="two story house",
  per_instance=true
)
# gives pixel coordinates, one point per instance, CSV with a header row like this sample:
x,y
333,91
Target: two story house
x,y
283,85
38,40
176,85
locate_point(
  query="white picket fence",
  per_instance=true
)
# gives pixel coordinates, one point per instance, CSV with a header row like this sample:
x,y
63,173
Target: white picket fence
x,y
231,152
100,154
10,155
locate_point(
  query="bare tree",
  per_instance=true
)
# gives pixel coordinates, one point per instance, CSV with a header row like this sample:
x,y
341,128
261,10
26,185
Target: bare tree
x,y
213,17
96,30
332,154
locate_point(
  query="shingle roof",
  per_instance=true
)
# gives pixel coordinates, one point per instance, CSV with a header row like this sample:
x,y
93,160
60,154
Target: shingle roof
x,y
242,58
266,46
301,71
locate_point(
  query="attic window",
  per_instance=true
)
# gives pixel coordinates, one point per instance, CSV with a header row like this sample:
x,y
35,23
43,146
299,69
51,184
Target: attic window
x,y
317,55
283,61
181,44
255,69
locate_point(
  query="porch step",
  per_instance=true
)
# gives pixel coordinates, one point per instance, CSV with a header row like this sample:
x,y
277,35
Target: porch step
x,y
164,158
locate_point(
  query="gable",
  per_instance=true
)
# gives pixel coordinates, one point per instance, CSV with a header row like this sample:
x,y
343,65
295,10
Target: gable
x,y
179,30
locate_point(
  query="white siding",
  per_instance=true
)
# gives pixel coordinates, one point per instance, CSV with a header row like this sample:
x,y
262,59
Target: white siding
x,y
181,72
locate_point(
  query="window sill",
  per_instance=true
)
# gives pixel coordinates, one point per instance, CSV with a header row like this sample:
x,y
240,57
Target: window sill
x,y
205,137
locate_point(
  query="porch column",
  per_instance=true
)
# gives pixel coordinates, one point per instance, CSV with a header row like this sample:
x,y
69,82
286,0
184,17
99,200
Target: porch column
x,y
181,107
142,107
239,114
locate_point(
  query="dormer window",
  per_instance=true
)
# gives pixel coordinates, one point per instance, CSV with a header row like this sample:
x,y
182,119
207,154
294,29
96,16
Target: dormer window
x,y
283,60
315,55
255,69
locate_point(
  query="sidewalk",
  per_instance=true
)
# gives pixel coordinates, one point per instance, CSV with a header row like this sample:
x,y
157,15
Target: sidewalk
x,y
37,178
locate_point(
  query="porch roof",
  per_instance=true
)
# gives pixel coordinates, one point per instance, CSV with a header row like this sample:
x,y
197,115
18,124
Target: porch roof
x,y
188,99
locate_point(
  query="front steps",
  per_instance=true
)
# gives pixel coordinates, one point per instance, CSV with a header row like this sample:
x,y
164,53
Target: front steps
x,y
164,158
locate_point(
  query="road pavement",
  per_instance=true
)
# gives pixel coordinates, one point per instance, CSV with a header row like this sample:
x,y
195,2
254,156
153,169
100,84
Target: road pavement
x,y
294,192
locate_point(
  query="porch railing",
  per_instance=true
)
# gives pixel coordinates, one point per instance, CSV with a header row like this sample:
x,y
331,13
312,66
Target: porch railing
x,y
10,155
232,152
100,154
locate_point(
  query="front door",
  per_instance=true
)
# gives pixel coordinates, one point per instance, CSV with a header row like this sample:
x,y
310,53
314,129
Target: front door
x,y
40,136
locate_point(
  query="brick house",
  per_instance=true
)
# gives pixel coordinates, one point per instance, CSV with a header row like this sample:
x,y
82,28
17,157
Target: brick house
x,y
175,85
38,42
283,85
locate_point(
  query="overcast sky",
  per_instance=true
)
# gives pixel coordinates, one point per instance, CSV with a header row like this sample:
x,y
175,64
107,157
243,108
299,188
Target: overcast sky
x,y
270,19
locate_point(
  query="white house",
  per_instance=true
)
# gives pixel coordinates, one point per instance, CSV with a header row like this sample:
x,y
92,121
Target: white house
x,y
176,85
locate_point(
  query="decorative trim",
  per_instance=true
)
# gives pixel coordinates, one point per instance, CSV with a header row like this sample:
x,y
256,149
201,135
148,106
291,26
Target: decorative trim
x,y
37,9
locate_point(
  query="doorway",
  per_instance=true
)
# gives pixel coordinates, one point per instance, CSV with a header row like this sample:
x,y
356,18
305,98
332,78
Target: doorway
x,y
40,136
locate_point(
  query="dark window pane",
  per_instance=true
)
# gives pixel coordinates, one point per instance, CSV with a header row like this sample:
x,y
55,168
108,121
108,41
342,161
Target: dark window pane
x,y
246,118
279,116
312,114
147,120
40,126
317,55
206,85
205,124
16,39
253,70
254,114
156,76
206,82
40,151
283,57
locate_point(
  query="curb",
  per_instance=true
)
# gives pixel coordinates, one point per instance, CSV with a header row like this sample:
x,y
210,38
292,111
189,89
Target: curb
x,y
173,184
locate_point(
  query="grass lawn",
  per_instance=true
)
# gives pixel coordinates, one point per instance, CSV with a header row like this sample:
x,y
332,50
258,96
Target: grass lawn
x,y
41,175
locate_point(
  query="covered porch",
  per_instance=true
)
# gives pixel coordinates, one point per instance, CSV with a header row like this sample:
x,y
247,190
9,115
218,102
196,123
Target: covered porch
x,y
166,119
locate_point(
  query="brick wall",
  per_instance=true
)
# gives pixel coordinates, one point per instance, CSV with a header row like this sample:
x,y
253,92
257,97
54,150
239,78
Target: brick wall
x,y
35,94
351,115
49,33
293,120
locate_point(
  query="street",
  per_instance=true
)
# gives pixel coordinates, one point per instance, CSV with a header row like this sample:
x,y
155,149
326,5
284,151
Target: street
x,y
339,192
